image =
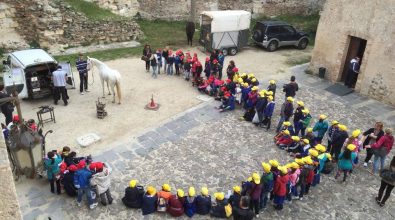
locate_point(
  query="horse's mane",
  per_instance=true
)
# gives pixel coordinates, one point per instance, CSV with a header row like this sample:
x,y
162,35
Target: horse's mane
x,y
96,61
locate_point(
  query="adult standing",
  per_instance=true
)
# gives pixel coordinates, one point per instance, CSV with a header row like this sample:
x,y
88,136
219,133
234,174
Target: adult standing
x,y
291,88
387,183
82,67
353,71
165,55
382,148
298,116
370,137
286,112
59,82
6,108
221,60
229,70
147,52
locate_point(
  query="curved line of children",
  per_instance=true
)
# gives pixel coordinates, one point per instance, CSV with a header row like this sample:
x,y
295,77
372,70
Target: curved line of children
x,y
279,183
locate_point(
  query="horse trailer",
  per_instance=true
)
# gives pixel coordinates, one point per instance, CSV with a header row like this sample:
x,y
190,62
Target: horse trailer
x,y
227,31
29,72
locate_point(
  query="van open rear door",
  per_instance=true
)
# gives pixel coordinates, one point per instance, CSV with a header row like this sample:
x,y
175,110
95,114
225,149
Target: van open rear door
x,y
70,84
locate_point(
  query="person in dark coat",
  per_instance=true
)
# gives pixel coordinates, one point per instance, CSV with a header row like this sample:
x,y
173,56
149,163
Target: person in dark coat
x,y
7,108
176,204
190,31
242,211
255,193
234,199
353,71
260,106
190,202
298,115
218,208
133,195
147,52
203,202
272,87
68,181
291,88
229,69
149,202
285,112
338,139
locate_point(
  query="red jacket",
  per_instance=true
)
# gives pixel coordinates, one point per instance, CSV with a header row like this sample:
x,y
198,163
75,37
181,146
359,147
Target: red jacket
x,y
285,139
310,176
387,141
175,206
280,186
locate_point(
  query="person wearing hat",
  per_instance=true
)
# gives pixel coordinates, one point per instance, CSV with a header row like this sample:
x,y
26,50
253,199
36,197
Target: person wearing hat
x,y
338,139
203,202
268,113
228,102
310,136
304,148
382,148
298,115
242,210
294,146
286,126
163,197
274,169
197,78
285,140
332,129
83,176
149,203
267,184
246,186
306,176
218,207
346,161
252,98
133,197
280,188
294,172
255,193
291,88
82,68
101,181
190,202
320,127
215,69
234,199
305,120
371,136
272,88
207,67
68,181
354,139
176,204
260,106
286,112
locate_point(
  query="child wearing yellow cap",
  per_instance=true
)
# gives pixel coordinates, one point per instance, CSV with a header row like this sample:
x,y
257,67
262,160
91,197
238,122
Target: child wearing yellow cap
x,y
280,188
286,112
331,130
298,115
190,203
267,184
338,138
149,201
255,193
346,161
203,202
294,146
320,127
285,140
272,87
133,195
310,136
176,204
356,140
305,120
234,199
268,112
293,178
163,197
306,176
218,207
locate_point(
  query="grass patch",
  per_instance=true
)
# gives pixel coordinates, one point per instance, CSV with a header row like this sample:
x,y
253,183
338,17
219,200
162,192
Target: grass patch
x,y
307,23
157,33
93,11
297,60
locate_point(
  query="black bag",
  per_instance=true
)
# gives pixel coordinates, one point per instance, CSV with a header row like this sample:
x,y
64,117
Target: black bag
x,y
380,152
145,58
388,175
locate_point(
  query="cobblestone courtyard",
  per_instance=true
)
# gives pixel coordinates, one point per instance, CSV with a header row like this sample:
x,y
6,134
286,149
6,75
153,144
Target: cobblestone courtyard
x,y
202,147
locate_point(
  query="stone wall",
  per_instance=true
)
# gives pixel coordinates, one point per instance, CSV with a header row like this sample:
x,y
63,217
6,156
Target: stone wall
x,y
180,10
9,38
54,25
9,205
372,21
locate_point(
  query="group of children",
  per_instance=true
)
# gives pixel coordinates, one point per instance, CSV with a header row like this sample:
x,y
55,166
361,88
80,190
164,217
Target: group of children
x,y
78,176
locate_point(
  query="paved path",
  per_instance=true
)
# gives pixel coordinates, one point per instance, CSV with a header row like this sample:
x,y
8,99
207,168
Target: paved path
x,y
202,147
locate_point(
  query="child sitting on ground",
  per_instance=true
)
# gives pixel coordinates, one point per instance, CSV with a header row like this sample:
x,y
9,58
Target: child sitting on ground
x,y
133,195
176,204
149,202
203,202
190,202
163,197
234,199
218,208
285,140
101,180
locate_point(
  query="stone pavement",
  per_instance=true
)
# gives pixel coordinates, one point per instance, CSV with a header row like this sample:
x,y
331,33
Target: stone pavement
x,y
205,148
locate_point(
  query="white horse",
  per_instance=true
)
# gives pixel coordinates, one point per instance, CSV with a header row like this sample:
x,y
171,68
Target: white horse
x,y
109,75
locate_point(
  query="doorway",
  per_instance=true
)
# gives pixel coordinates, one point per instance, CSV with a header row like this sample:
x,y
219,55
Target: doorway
x,y
356,48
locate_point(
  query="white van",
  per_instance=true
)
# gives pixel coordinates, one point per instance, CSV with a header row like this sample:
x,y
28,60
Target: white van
x,y
30,71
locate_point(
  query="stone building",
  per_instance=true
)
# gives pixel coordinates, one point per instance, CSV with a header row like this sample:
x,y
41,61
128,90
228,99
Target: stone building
x,y
350,28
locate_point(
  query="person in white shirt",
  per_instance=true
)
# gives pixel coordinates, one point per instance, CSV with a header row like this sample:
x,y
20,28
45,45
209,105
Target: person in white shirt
x,y
59,83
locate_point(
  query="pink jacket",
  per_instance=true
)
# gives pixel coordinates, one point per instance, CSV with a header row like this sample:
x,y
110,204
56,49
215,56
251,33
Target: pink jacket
x,y
387,141
293,177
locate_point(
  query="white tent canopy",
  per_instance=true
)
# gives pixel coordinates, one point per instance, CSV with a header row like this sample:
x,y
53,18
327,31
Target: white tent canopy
x,y
224,21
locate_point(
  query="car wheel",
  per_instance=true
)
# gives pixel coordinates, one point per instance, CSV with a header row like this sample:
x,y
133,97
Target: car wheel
x,y
257,35
272,46
225,52
233,51
303,44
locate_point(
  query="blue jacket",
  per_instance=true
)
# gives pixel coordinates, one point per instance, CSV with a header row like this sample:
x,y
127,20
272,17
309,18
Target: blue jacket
x,y
203,204
230,103
177,60
322,159
81,178
82,66
148,205
170,60
321,127
244,93
190,206
52,168
269,109
221,59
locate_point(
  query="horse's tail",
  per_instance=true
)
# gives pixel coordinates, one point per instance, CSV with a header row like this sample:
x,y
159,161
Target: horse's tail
x,y
118,85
